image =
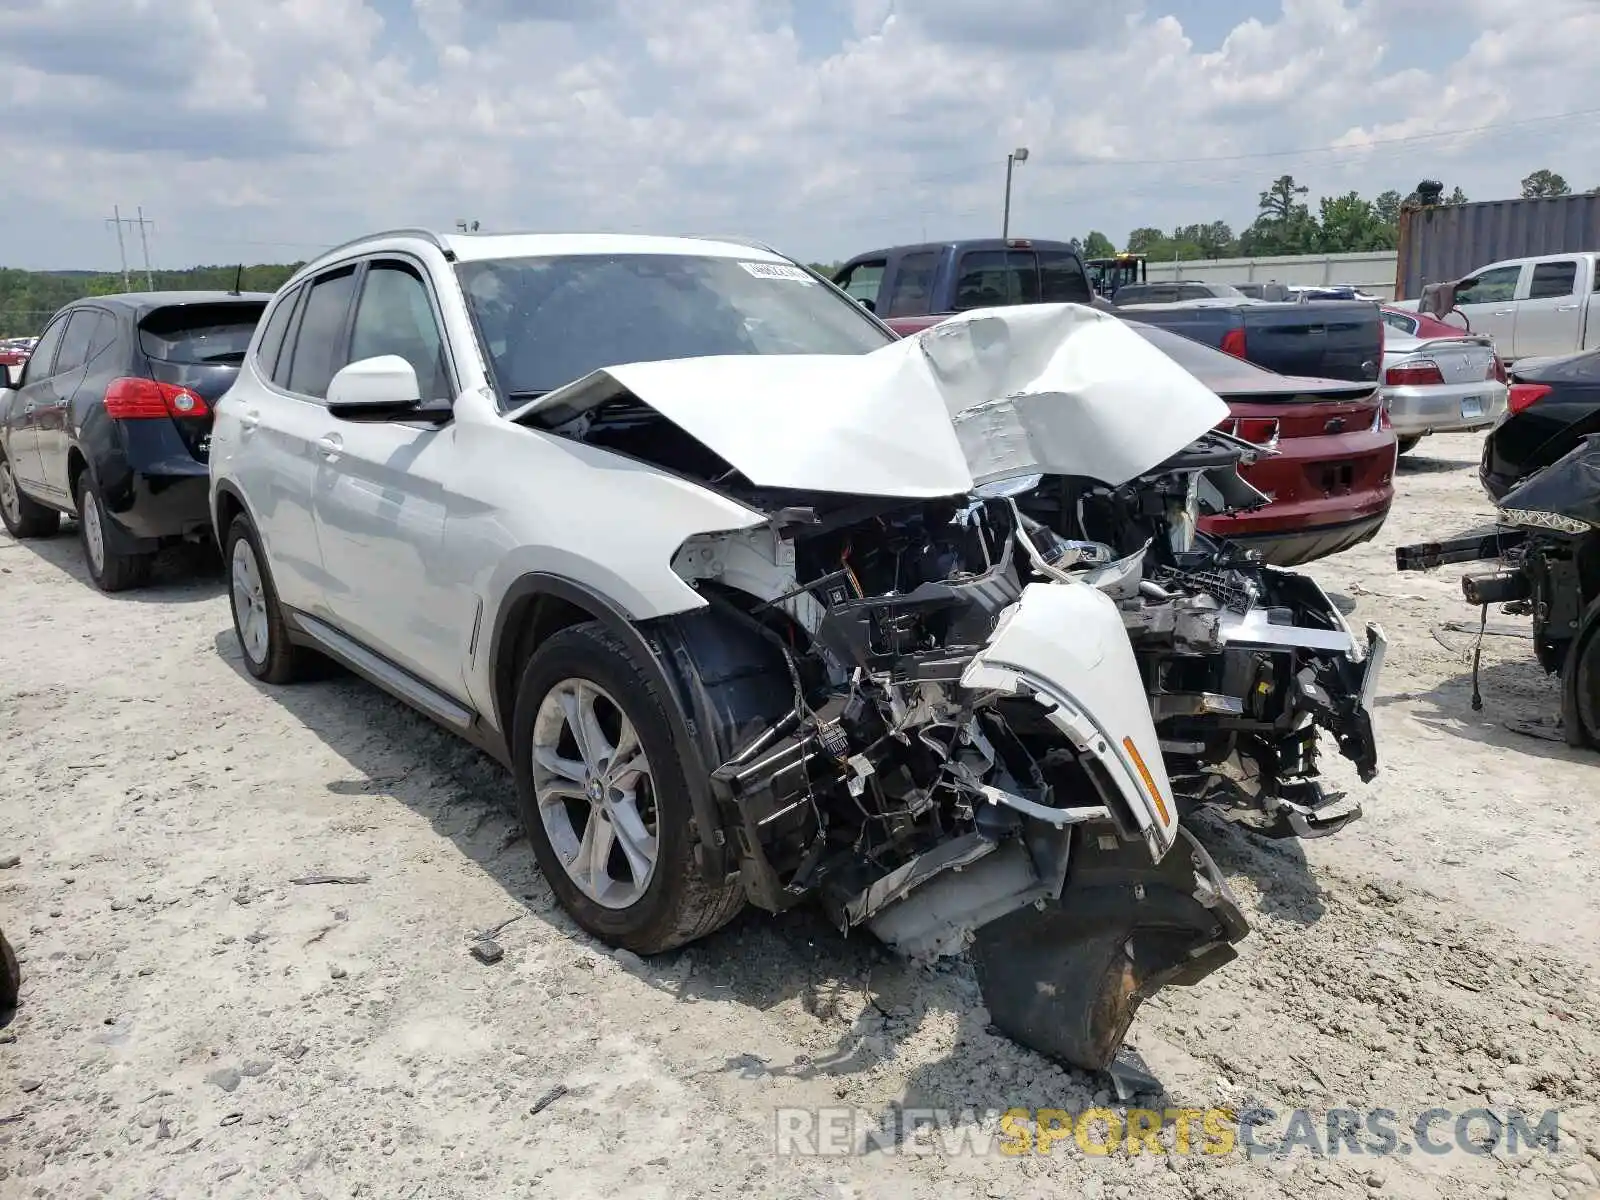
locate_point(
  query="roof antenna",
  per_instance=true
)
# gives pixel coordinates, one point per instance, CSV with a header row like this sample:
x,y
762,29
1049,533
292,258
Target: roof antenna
x,y
238,278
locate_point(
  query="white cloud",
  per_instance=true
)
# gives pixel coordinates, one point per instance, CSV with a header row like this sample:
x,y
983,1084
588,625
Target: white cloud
x,y
265,130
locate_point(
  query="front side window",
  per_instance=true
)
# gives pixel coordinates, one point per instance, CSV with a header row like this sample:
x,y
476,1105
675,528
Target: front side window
x,y
1552,280
395,316
863,281
319,342
1492,287
549,321
996,278
41,363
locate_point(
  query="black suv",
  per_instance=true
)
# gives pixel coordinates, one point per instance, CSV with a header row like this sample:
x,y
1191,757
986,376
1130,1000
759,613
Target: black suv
x,y
111,422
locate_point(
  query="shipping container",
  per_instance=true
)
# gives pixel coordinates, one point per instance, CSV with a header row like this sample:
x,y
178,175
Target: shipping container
x,y
1445,242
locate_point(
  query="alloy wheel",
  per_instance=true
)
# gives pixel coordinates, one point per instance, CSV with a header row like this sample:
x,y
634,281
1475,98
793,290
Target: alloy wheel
x,y
595,793
249,601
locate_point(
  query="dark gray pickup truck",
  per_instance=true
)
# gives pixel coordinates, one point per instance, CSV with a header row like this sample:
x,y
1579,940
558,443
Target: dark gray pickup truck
x,y
1331,339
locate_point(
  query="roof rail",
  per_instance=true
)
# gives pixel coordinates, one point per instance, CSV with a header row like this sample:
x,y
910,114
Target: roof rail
x,y
428,235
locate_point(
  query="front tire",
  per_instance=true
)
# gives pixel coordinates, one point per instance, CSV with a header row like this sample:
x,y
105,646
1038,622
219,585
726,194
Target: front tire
x,y
1408,444
604,800
110,570
258,621
23,518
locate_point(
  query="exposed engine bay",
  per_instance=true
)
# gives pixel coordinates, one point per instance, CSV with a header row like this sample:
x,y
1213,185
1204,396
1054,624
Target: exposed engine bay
x,y
976,720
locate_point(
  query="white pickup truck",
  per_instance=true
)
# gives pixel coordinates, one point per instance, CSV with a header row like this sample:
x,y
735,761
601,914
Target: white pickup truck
x,y
1532,307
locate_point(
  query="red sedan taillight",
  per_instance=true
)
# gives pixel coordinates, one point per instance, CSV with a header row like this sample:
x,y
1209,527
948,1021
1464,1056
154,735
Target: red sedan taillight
x,y
1423,372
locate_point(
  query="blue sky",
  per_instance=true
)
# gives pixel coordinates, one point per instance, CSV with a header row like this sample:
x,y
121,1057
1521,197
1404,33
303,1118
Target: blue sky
x,y
265,131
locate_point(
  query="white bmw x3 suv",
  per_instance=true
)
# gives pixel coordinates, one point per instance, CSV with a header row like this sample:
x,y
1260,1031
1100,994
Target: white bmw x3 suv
x,y
747,593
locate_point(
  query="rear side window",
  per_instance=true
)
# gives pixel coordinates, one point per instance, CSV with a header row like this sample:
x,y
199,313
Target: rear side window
x,y
319,343
1061,279
994,278
1553,279
217,334
912,295
272,335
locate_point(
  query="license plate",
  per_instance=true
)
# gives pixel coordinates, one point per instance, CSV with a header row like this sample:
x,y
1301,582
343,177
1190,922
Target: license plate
x,y
1472,406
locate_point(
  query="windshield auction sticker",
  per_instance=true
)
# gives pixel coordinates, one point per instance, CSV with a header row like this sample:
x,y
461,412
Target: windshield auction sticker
x,y
770,270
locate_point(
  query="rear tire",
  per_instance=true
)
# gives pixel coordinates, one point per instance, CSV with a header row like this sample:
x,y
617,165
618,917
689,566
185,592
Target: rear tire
x,y
24,518
258,621
110,570
584,678
1408,444
10,976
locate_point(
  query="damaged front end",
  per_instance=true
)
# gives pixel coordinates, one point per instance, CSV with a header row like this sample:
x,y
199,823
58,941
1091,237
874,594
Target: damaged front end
x,y
966,758
964,673
1244,664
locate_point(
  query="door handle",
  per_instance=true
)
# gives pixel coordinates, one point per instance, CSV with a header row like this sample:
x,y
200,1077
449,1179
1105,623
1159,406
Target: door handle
x,y
1504,312
248,422
28,407
329,445
1566,308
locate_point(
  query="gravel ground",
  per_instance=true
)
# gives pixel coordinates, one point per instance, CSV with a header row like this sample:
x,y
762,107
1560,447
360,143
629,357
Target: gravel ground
x,y
195,1023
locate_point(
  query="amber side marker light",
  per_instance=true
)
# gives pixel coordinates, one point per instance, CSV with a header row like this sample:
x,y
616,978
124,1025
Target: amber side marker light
x,y
1149,783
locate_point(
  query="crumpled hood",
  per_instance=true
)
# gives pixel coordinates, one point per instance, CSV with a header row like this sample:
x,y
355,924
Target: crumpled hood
x,y
1568,487
1050,388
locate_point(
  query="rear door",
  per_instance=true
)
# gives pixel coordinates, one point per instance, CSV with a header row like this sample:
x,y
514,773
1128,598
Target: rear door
x,y
1549,317
1490,304
280,422
33,391
380,497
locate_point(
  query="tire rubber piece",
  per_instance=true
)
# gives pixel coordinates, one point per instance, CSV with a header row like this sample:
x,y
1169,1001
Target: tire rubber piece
x,y
1067,979
285,662
1408,444
678,906
121,572
34,520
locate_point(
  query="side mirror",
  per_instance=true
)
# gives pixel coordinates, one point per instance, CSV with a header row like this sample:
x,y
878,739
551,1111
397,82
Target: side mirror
x,y
1438,299
374,389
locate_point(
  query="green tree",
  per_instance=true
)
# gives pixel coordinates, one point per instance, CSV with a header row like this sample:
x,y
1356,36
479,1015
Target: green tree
x,y
1212,239
1457,196
1387,207
1544,182
1140,240
1350,224
1285,224
29,298
1098,245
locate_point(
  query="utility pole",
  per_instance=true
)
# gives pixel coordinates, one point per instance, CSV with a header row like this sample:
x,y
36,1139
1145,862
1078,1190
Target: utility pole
x,y
119,221
116,220
149,281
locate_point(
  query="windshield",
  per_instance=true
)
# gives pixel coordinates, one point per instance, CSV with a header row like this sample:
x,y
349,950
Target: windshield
x,y
549,321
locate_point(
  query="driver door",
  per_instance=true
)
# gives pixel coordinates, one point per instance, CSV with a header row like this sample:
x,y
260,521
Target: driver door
x,y
1490,305
34,394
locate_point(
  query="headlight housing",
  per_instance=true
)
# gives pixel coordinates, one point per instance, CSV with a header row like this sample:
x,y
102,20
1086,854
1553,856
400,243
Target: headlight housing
x,y
1533,519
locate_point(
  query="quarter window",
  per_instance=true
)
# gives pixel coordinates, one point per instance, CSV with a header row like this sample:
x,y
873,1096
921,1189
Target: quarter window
x,y
272,337
319,342
75,344
395,316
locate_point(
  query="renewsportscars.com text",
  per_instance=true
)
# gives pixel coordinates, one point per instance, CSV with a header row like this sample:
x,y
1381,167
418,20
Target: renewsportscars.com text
x,y
1204,1132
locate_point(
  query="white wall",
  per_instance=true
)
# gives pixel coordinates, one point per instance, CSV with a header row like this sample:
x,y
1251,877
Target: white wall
x,y
1373,272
